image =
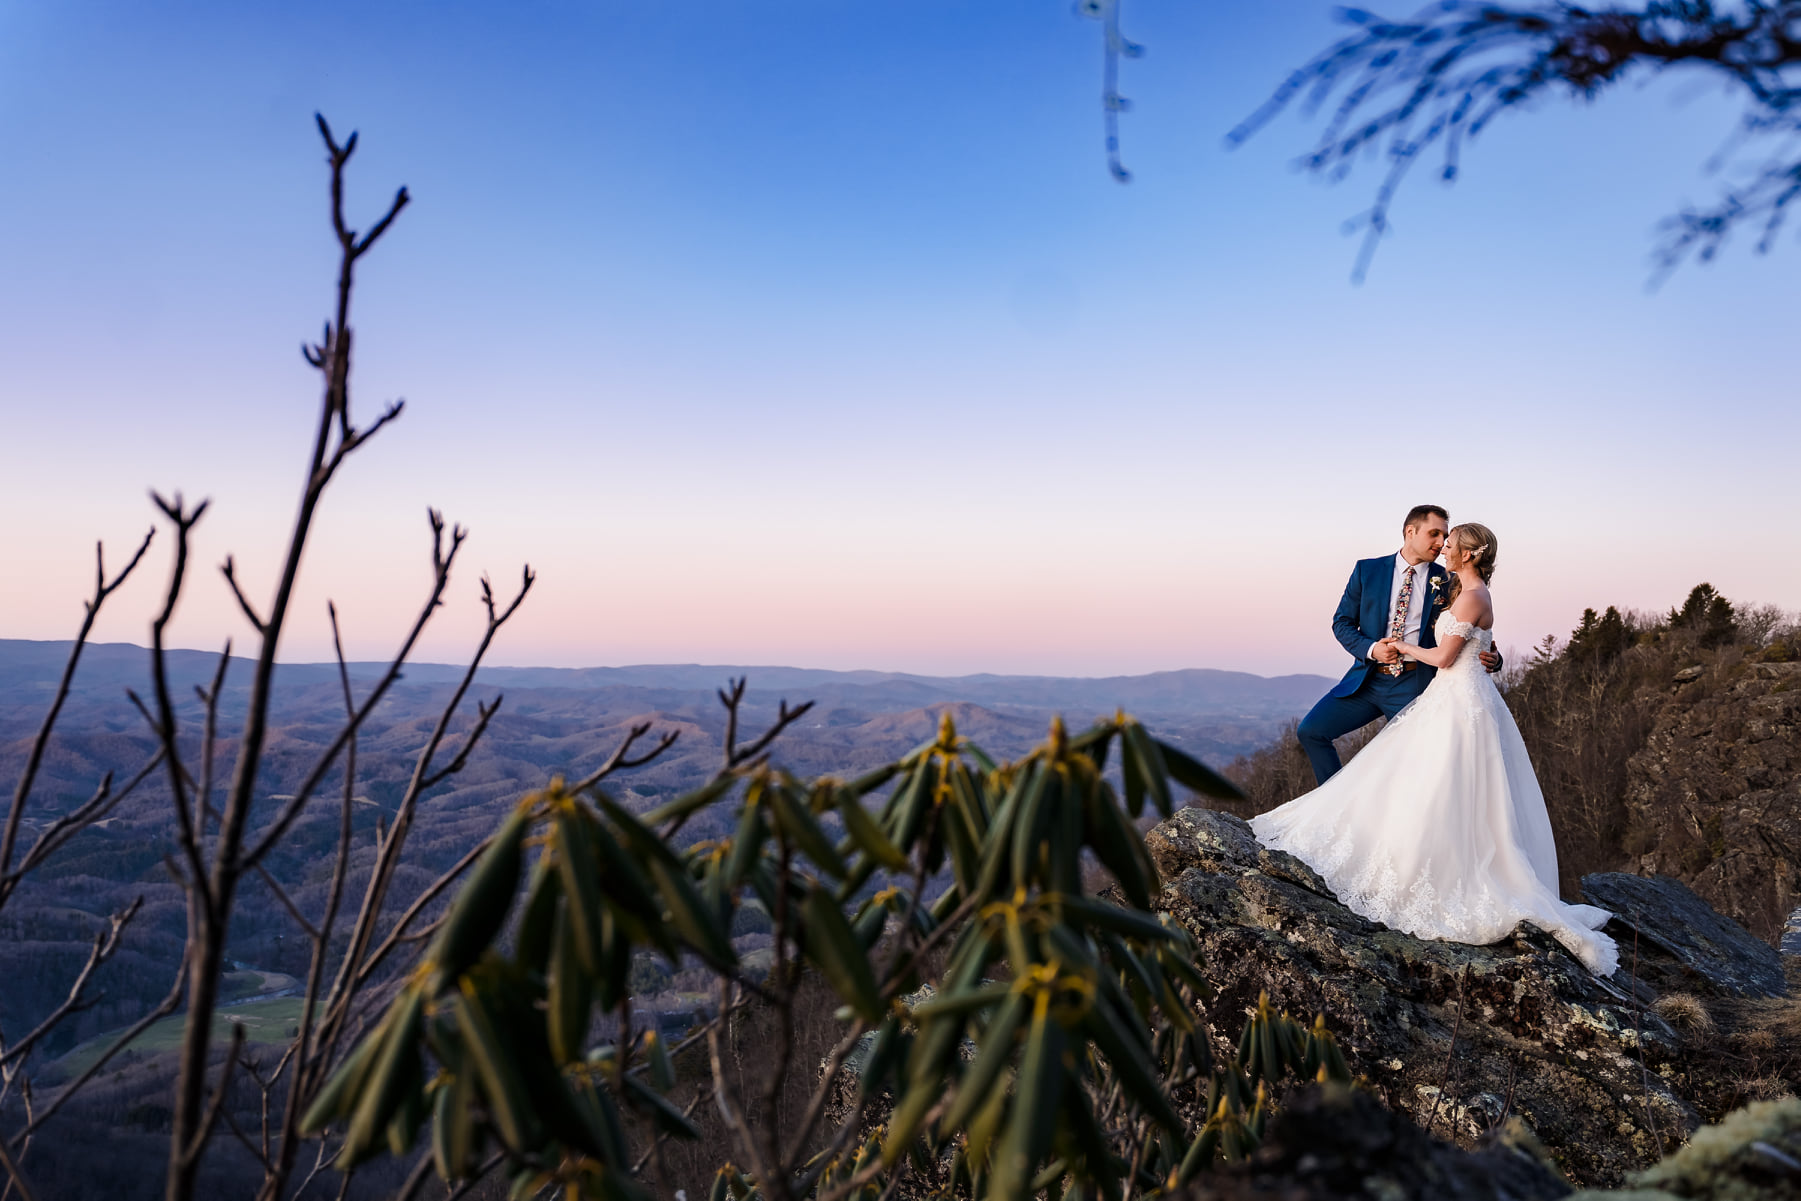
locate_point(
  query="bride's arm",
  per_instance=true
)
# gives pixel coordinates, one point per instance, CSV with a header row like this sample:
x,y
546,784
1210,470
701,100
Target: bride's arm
x,y
1467,609
1442,655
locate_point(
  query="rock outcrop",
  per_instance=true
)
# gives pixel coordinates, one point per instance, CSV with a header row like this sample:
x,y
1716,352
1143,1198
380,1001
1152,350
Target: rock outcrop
x,y
1714,795
1461,1038
1712,953
1332,1143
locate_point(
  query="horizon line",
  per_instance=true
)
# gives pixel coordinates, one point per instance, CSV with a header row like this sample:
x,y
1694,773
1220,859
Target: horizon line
x,y
747,667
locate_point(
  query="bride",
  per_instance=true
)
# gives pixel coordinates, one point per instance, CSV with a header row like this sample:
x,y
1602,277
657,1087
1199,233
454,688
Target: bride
x,y
1438,827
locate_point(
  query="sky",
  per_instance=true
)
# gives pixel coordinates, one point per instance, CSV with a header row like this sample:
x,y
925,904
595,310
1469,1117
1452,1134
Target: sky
x,y
817,333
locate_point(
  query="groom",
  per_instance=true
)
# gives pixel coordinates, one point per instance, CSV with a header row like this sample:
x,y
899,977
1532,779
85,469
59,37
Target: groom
x,y
1395,596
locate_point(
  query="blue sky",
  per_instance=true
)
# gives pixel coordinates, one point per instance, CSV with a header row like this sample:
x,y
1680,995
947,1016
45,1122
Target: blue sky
x,y
817,333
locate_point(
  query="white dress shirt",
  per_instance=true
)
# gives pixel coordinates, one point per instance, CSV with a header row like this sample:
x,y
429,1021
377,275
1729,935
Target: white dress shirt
x,y
1416,604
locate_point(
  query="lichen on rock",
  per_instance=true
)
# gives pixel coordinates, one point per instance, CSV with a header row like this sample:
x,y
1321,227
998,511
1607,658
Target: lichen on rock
x,y
1753,1155
1461,1038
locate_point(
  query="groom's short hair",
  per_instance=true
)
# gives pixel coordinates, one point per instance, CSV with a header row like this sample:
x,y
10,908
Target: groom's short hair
x,y
1419,513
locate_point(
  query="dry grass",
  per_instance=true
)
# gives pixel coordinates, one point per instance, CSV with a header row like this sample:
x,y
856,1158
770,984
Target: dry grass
x,y
1685,1011
1782,1019
1755,1041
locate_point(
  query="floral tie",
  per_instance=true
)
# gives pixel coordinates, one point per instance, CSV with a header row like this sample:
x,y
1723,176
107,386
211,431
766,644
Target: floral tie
x,y
1398,627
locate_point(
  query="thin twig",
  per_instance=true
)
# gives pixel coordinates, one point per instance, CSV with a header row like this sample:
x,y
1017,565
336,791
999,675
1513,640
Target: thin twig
x,y
237,1131
419,903
15,1174
732,696
415,1178
1444,1080
103,588
351,969
1638,1044
188,836
162,1010
106,942
287,902
92,810
619,760
442,561
228,569
203,795
216,1106
485,713
722,1095
493,1161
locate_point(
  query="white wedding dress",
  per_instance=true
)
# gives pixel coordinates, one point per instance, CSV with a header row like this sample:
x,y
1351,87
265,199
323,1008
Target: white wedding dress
x,y
1438,826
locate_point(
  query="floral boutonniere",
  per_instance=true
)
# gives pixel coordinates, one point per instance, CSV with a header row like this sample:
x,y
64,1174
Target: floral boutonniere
x,y
1436,587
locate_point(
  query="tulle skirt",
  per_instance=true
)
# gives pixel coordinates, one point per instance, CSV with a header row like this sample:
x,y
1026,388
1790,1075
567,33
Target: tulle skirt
x,y
1438,827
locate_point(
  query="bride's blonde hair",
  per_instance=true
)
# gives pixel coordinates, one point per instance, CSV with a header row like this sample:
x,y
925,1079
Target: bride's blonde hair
x,y
1477,542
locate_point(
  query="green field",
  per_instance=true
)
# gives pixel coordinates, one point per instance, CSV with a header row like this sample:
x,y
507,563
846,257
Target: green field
x,y
271,1022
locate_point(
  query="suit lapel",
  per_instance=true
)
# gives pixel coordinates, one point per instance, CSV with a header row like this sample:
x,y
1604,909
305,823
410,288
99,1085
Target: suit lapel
x,y
1429,615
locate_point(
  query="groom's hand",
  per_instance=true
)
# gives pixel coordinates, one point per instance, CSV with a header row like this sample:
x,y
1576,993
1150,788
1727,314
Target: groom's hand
x,y
1492,660
1384,651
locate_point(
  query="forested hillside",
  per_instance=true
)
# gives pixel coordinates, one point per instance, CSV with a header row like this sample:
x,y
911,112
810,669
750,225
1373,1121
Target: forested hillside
x,y
551,721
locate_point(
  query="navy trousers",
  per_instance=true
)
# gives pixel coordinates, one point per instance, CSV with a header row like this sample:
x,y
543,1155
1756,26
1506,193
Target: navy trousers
x,y
1380,695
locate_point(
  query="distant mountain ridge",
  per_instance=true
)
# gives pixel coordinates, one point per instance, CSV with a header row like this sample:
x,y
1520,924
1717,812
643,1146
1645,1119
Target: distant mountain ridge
x,y
1189,691
554,721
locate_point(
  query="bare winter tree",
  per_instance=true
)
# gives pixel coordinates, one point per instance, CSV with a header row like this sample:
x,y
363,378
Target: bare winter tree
x,y
222,844
1397,90
15,1054
223,837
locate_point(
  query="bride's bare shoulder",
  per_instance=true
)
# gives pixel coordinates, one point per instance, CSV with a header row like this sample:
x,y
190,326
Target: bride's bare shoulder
x,y
1476,606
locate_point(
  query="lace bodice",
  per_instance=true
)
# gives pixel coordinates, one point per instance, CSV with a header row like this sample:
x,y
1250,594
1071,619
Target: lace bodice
x,y
1475,636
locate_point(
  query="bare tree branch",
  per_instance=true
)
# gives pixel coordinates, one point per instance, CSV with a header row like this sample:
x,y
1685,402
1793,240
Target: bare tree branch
x,y
287,902
1439,78
162,1010
212,893
229,570
619,759
486,714
203,798
58,832
163,722
493,1161
403,814
223,1090
237,1131
312,1060
103,588
732,696
15,1174
415,1179
106,942
722,1092
442,561
425,898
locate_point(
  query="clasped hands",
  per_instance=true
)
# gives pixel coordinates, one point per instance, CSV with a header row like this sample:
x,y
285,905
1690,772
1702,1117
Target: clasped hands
x,y
1392,650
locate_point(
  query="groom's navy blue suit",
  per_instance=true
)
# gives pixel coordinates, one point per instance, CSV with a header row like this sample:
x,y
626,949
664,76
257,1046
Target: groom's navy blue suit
x,y
1367,692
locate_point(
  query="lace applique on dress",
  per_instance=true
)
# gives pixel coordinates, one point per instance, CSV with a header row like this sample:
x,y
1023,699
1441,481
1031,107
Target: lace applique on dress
x,y
1450,627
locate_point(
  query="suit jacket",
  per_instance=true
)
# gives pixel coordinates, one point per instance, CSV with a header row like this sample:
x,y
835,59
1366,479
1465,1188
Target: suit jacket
x,y
1363,615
